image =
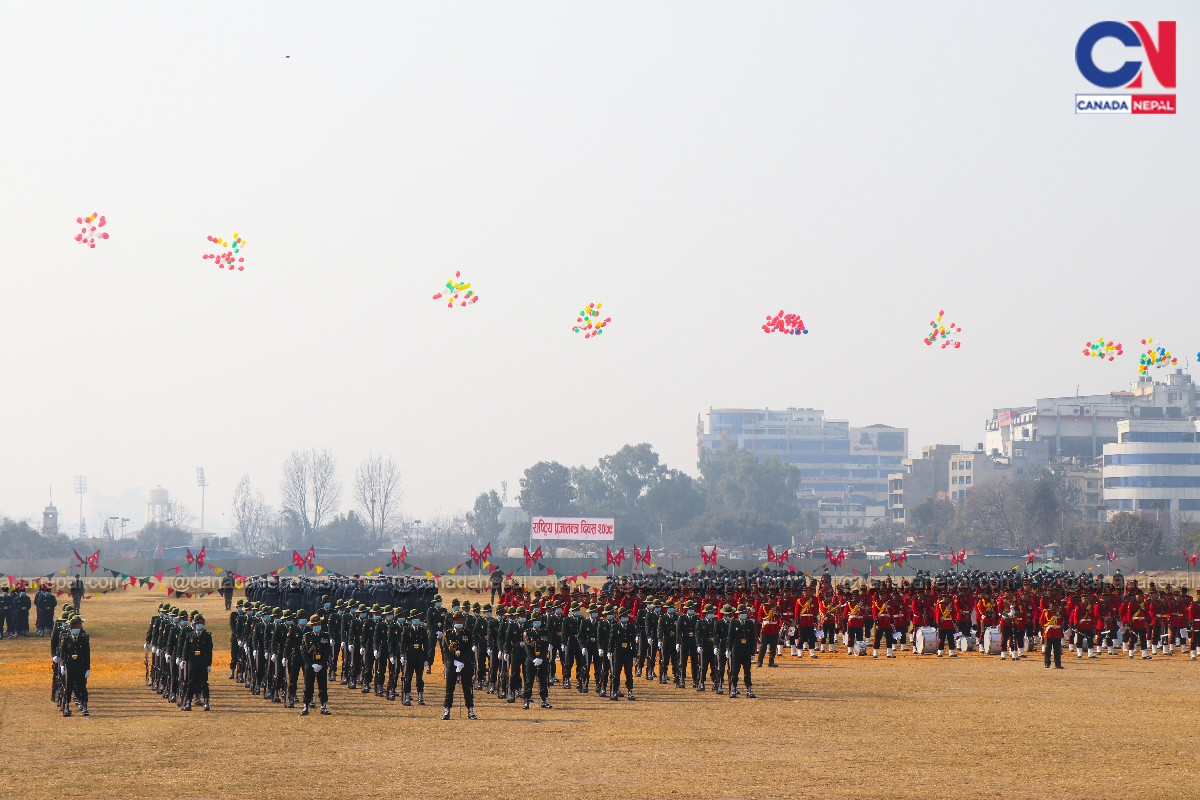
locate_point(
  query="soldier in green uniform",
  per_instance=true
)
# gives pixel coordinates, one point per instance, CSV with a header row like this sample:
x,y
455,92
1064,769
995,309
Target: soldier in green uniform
x,y
435,620
57,675
668,652
75,665
293,656
706,646
570,643
622,641
741,651
459,663
317,648
198,653
721,629
414,643
495,621
588,642
685,645
600,664
235,651
653,617
539,649
514,647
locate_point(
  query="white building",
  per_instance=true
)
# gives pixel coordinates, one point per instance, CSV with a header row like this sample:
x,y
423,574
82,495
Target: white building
x,y
1078,427
157,502
1154,469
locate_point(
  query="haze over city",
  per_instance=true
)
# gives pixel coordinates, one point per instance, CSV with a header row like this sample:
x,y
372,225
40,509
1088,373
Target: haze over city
x,y
694,172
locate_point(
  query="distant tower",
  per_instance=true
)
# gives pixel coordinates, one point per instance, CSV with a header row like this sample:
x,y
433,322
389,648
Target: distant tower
x,y
50,518
157,500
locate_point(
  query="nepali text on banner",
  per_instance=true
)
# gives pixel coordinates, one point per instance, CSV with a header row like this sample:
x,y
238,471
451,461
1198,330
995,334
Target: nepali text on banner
x,y
587,529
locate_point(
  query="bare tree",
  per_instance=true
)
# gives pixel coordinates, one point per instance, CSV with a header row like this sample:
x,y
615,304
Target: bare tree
x,y
178,515
250,515
293,488
377,491
326,488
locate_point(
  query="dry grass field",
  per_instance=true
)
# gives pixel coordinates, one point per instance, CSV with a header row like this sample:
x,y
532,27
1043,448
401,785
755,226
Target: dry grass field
x,y
836,727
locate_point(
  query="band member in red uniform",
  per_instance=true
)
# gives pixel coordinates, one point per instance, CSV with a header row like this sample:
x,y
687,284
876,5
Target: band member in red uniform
x,y
946,626
884,626
1052,631
807,608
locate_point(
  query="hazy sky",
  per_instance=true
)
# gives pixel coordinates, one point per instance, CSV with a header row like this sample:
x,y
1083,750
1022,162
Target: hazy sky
x,y
692,165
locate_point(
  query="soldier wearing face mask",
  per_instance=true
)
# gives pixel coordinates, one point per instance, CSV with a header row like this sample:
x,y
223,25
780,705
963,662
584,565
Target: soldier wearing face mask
x,y
706,646
413,644
514,642
622,641
435,620
668,653
460,665
685,644
317,649
75,666
539,649
198,653
741,651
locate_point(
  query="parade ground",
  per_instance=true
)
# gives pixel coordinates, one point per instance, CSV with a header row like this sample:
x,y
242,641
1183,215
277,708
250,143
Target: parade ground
x,y
834,727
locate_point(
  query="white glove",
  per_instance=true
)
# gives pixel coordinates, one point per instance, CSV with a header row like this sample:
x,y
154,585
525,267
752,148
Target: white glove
x,y
55,659
210,669
439,634
403,660
377,654
601,652
240,644
537,662
392,660
146,646
489,652
727,655
458,666
63,670
316,667
274,658
677,648
362,651
284,663
343,645
698,650
474,649
87,673
584,652
256,654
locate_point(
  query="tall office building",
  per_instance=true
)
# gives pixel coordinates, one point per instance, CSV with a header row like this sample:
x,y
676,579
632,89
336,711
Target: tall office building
x,y
842,468
1154,469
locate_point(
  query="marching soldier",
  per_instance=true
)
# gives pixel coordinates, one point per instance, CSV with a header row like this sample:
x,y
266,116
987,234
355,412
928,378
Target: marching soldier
x,y
199,654
587,646
293,657
539,649
75,665
1052,632
741,651
668,652
414,641
318,649
435,621
622,641
514,647
459,664
706,646
769,641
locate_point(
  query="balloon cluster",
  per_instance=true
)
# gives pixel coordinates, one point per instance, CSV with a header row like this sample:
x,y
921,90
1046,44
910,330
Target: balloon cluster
x,y
1101,349
589,321
87,234
944,332
227,259
456,289
784,323
1157,357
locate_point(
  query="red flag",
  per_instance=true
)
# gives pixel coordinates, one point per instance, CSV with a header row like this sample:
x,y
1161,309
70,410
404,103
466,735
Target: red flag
x,y
891,556
528,556
841,556
404,555
486,553
297,559
608,553
828,555
170,591
1030,555
620,556
646,556
190,558
785,557
94,561
637,556
903,557
200,558
770,555
1192,561
159,552
704,555
474,554
79,560
537,554
395,558
311,559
